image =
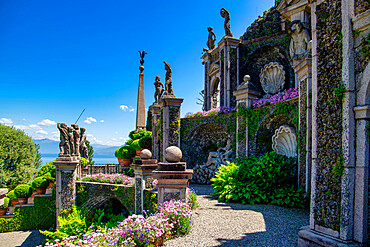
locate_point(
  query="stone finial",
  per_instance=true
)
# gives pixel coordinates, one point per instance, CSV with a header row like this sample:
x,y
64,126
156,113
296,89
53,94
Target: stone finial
x,y
246,83
173,154
142,55
145,154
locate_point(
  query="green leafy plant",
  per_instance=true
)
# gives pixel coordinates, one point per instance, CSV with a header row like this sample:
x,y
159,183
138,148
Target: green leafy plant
x,y
49,177
338,168
135,144
46,168
72,225
145,141
129,172
6,204
84,161
267,179
23,191
41,182
135,135
340,92
125,152
11,195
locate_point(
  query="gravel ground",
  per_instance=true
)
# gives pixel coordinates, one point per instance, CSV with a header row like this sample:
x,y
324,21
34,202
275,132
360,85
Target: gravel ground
x,y
229,224
21,239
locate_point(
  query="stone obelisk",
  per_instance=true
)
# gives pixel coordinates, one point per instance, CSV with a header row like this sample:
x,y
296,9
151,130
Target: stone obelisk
x,y
140,112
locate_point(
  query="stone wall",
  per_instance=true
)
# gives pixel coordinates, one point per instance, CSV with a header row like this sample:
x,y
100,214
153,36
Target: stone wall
x,y
329,161
233,74
200,135
174,122
301,138
361,6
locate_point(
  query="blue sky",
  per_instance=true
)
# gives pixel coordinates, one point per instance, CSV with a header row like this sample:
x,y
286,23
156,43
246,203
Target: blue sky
x,y
59,57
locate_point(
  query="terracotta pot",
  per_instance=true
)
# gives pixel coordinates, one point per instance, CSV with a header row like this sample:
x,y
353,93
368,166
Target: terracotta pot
x,y
3,211
138,151
34,193
50,185
14,202
41,191
22,201
125,162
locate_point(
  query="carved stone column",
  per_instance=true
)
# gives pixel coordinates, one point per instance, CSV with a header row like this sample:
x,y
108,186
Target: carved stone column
x,y
143,169
155,109
173,177
245,95
66,171
170,123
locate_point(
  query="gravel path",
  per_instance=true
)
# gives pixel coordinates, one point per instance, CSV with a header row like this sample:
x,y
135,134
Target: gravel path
x,y
229,224
21,239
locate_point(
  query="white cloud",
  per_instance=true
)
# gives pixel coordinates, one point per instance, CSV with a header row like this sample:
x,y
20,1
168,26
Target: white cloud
x,y
21,127
24,119
42,132
47,122
116,132
34,126
89,120
93,139
6,120
102,121
126,108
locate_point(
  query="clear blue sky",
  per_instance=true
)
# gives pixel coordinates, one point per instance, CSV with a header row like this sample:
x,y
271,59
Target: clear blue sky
x,y
59,57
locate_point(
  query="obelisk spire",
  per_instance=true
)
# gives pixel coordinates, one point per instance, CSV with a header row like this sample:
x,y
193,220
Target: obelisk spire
x,y
140,112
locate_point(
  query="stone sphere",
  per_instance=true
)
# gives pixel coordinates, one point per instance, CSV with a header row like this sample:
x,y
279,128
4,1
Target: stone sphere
x,y
145,154
173,154
247,78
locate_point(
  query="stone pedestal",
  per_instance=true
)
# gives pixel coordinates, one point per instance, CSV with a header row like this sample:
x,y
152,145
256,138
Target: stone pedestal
x,y
66,171
245,96
173,180
170,123
143,169
155,109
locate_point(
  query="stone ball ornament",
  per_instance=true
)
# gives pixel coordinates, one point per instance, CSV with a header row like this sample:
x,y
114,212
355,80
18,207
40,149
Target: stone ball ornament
x,y
146,154
173,154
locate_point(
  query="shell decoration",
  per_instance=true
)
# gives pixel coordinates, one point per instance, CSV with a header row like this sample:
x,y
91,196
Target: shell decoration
x,y
272,78
284,141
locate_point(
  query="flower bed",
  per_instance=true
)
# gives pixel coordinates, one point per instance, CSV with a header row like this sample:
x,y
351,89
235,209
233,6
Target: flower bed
x,y
110,178
215,111
283,96
173,218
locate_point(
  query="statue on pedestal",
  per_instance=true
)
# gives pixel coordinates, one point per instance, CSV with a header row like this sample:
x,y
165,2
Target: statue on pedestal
x,y
83,147
225,14
64,139
142,55
159,88
76,140
211,39
168,85
71,140
300,42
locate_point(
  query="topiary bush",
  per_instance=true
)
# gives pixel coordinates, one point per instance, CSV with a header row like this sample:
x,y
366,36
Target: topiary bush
x,y
11,195
41,182
23,191
268,179
49,177
6,204
145,141
135,144
47,168
135,135
125,152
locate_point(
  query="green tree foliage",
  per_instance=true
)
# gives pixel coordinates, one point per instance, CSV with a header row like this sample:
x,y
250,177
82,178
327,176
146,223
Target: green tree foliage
x,y
268,179
19,157
90,152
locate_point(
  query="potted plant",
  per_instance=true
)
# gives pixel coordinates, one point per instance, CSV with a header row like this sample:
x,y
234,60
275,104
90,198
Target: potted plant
x,y
50,179
12,197
84,162
146,142
124,155
23,192
5,206
41,184
33,188
135,145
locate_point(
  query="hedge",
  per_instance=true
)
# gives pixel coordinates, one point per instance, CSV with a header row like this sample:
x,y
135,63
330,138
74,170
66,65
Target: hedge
x,y
41,216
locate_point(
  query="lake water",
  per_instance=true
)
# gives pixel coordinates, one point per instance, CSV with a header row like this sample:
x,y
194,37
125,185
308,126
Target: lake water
x,y
99,159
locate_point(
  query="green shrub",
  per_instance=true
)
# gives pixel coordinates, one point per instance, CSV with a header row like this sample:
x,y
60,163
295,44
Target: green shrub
x,y
135,144
48,177
145,141
6,203
135,135
32,186
47,168
129,172
73,225
40,216
125,152
84,161
267,179
41,182
11,195
23,191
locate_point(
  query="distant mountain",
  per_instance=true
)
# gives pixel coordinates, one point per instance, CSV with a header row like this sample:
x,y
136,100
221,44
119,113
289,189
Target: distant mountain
x,y
48,146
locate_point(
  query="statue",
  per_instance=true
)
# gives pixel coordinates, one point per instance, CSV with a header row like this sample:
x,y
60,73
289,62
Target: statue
x,y
225,14
64,139
142,55
168,85
70,140
83,147
158,88
76,140
211,39
300,42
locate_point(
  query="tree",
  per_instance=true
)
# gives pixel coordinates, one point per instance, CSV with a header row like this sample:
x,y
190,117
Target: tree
x,y
19,157
90,152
